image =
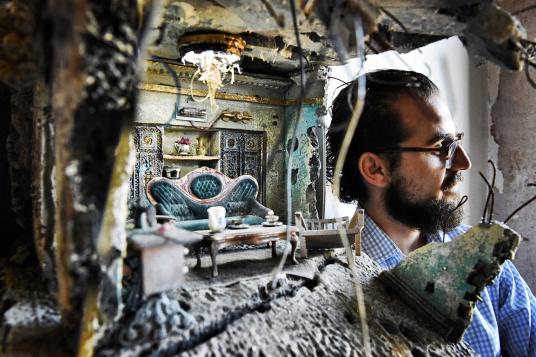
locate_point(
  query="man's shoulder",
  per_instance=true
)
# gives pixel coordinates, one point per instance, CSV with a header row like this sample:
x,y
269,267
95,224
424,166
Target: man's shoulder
x,y
450,235
461,229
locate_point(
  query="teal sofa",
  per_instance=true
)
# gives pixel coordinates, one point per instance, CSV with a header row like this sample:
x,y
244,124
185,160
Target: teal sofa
x,y
188,198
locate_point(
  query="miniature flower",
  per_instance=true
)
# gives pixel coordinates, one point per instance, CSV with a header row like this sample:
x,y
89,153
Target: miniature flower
x,y
183,141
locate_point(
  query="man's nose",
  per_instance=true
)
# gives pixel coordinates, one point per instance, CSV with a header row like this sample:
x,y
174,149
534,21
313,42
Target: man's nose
x,y
461,160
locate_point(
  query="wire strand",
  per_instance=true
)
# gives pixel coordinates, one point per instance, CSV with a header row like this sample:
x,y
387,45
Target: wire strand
x,y
521,207
524,9
527,73
461,202
279,268
490,188
489,192
177,84
343,152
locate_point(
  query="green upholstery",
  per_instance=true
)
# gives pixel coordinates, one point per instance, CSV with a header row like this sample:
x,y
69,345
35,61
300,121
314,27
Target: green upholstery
x,y
189,199
171,202
206,186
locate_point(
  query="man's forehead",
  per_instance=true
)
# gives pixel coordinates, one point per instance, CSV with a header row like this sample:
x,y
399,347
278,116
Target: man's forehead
x,y
416,112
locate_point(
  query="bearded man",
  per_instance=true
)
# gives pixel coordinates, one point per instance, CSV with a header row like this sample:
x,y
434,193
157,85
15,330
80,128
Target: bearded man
x,y
403,167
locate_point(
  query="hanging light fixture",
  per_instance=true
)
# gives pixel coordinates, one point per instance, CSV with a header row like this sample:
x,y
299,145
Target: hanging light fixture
x,y
215,55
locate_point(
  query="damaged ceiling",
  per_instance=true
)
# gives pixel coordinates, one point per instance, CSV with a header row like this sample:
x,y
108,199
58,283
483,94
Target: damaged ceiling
x,y
265,26
271,45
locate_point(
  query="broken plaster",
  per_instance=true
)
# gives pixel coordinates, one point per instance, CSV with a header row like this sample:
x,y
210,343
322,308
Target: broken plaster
x,y
494,79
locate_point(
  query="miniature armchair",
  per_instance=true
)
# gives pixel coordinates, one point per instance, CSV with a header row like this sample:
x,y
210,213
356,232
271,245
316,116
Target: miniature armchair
x,y
189,198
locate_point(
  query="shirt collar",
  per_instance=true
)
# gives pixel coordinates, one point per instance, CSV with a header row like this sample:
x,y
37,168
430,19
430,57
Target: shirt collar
x,y
379,246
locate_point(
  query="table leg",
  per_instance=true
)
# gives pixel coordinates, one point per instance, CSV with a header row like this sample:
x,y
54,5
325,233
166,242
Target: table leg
x,y
294,243
303,245
197,250
274,252
213,252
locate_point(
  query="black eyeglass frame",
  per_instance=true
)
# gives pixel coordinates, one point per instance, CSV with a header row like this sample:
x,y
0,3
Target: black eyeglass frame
x,y
448,149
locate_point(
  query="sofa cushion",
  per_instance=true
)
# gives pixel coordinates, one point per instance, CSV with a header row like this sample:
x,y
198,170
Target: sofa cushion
x,y
206,186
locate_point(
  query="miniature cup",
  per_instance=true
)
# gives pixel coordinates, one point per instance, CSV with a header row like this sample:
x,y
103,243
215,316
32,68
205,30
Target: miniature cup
x,y
236,221
271,218
216,218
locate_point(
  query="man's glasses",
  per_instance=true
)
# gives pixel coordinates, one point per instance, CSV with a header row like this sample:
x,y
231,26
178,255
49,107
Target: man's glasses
x,y
448,149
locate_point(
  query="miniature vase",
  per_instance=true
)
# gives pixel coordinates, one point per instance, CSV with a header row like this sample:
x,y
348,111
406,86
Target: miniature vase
x,y
182,148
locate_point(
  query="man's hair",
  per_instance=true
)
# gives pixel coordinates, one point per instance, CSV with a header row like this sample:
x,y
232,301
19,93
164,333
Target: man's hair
x,y
379,126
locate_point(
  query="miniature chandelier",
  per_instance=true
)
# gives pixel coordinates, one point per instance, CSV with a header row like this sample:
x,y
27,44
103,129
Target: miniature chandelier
x,y
215,55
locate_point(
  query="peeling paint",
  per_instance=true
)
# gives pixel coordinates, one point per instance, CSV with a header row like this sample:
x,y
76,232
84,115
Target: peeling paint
x,y
512,120
303,185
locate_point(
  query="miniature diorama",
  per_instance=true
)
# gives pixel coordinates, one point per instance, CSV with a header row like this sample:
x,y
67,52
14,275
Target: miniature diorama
x,y
168,192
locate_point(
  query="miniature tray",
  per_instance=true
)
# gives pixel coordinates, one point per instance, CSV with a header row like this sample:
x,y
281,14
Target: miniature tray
x,y
272,224
238,226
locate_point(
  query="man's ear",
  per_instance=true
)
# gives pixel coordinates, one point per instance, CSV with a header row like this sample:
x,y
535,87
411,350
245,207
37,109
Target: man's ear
x,y
374,169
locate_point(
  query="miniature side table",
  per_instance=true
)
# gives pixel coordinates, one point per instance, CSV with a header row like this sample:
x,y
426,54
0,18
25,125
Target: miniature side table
x,y
253,235
162,256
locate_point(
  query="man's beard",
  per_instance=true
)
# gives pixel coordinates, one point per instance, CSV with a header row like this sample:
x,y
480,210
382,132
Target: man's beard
x,y
428,215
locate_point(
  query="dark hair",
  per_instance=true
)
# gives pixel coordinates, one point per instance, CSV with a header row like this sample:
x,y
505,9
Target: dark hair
x,y
379,125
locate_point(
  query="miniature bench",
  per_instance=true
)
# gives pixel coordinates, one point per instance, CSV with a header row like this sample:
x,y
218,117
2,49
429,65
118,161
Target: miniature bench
x,y
326,233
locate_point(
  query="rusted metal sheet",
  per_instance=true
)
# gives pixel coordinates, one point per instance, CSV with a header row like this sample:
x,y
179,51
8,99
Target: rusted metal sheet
x,y
93,87
443,281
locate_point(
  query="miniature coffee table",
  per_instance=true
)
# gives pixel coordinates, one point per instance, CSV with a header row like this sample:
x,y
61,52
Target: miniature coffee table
x,y
254,235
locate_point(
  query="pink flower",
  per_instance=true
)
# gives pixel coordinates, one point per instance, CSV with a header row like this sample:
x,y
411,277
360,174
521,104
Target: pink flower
x,y
183,141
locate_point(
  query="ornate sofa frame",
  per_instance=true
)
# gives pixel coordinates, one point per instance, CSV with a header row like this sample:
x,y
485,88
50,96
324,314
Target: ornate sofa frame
x,y
189,198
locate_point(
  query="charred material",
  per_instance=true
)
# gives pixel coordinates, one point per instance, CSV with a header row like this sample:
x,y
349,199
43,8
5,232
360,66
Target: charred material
x,y
18,54
496,35
301,315
92,101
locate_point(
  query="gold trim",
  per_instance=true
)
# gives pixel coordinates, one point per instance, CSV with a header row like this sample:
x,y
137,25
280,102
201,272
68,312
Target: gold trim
x,y
227,96
156,68
191,157
233,44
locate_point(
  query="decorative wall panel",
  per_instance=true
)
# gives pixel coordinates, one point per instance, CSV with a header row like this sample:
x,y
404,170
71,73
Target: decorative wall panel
x,y
149,161
243,153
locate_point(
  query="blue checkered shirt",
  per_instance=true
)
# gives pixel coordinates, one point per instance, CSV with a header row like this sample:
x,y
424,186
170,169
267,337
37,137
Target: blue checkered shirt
x,y
502,322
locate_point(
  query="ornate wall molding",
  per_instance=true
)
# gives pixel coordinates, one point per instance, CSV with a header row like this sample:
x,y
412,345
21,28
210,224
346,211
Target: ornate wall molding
x,y
227,96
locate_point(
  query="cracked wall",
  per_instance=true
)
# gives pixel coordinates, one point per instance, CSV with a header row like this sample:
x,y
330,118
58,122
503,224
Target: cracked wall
x,y
513,124
306,162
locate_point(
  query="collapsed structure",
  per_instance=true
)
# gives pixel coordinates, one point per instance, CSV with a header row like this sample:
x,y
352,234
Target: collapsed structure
x,y
98,101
